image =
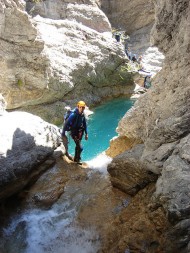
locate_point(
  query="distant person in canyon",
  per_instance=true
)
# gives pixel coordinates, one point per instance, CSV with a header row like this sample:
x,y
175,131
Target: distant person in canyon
x,y
147,82
77,126
117,37
128,53
139,59
134,58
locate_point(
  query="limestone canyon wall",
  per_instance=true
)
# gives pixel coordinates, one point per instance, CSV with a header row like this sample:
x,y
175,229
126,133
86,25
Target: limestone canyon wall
x,y
160,119
61,50
129,15
136,18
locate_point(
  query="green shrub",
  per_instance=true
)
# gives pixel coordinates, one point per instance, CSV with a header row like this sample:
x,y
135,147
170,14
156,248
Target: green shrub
x,y
20,83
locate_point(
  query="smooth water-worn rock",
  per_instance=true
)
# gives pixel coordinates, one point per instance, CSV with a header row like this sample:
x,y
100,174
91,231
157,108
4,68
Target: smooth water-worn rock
x,y
26,145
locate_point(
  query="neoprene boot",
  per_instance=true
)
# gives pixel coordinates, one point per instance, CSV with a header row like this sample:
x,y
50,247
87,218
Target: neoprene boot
x,y
77,155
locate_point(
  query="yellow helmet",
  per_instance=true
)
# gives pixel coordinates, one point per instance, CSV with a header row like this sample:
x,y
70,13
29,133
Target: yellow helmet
x,y
81,103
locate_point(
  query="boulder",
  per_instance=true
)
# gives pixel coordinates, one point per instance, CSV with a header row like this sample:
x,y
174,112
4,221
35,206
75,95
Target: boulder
x,y
128,173
26,142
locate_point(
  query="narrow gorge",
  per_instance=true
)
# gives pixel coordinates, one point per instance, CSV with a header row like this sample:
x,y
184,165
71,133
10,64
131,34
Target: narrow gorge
x,y
54,53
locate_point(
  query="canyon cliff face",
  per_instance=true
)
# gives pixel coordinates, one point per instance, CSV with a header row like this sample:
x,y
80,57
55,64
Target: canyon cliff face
x,y
61,51
129,15
156,171
136,19
160,121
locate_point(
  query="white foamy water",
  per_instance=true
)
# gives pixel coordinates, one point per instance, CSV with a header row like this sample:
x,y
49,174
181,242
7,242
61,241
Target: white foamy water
x,y
56,230
50,231
100,163
57,234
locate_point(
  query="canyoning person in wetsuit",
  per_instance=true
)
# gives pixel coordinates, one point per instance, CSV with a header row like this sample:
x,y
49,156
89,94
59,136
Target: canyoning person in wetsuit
x,y
76,124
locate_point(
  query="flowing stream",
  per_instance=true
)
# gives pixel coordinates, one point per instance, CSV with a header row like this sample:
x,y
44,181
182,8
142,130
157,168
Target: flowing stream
x,y
78,222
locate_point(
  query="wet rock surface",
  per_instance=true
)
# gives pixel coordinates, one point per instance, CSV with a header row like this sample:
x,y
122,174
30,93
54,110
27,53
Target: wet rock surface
x,y
74,189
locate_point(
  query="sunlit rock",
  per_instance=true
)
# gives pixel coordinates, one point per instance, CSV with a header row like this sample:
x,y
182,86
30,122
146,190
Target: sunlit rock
x,y
60,51
26,142
129,15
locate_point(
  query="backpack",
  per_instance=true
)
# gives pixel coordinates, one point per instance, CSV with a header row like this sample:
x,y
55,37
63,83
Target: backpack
x,y
66,117
67,114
